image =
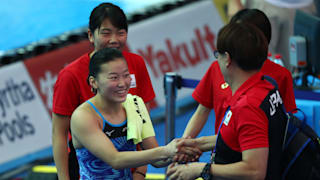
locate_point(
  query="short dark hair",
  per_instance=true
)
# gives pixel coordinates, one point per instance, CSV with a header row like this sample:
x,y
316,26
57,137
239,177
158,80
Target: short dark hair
x,y
245,43
107,11
255,17
101,57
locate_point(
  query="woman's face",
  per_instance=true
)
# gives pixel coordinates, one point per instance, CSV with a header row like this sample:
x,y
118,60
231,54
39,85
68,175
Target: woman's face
x,y
108,36
113,81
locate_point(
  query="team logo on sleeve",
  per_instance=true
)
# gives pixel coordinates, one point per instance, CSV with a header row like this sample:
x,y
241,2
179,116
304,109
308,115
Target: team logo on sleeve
x,y
133,83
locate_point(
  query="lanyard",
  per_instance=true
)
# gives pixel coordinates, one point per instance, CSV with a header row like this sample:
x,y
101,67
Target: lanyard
x,y
215,147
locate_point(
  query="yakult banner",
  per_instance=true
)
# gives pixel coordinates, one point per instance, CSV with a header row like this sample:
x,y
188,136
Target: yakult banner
x,y
182,41
25,126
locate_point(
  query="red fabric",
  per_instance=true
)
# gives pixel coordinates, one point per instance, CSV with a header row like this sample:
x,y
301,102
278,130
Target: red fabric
x,y
210,93
248,124
44,68
137,66
71,88
285,82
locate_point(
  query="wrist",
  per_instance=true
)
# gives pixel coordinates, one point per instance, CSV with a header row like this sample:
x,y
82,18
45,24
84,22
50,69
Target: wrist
x,y
169,152
206,172
206,143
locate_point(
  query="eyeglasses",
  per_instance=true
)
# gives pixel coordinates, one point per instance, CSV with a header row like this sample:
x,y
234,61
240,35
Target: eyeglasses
x,y
216,53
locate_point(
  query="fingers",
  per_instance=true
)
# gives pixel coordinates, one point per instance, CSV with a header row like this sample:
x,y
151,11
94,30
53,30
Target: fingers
x,y
173,172
181,158
178,172
184,150
186,142
171,169
191,151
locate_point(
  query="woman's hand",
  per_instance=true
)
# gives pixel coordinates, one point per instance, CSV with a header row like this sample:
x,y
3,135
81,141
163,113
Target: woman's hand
x,y
183,150
184,172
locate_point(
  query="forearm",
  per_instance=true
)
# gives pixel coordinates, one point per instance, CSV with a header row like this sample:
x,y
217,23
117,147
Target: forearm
x,y
60,130
60,155
193,129
130,159
206,143
197,121
252,167
235,171
239,170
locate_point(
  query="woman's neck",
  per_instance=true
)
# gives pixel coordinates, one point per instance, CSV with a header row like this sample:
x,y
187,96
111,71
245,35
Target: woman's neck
x,y
107,106
238,78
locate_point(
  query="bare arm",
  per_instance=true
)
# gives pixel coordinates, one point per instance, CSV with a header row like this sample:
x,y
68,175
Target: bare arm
x,y
197,121
206,143
88,132
194,126
60,129
252,167
150,143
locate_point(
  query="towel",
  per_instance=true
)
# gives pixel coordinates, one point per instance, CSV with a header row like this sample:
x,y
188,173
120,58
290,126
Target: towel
x,y
139,125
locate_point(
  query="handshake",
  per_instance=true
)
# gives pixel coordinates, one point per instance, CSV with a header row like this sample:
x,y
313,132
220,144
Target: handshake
x,y
180,153
183,150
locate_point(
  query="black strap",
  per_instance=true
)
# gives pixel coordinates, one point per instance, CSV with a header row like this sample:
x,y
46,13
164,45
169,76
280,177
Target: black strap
x,y
275,84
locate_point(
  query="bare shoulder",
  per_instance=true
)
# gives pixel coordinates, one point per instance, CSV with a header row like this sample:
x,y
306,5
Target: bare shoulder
x,y
82,116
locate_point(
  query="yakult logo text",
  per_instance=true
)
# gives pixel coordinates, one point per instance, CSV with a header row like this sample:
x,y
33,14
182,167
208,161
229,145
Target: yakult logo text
x,y
14,125
180,55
